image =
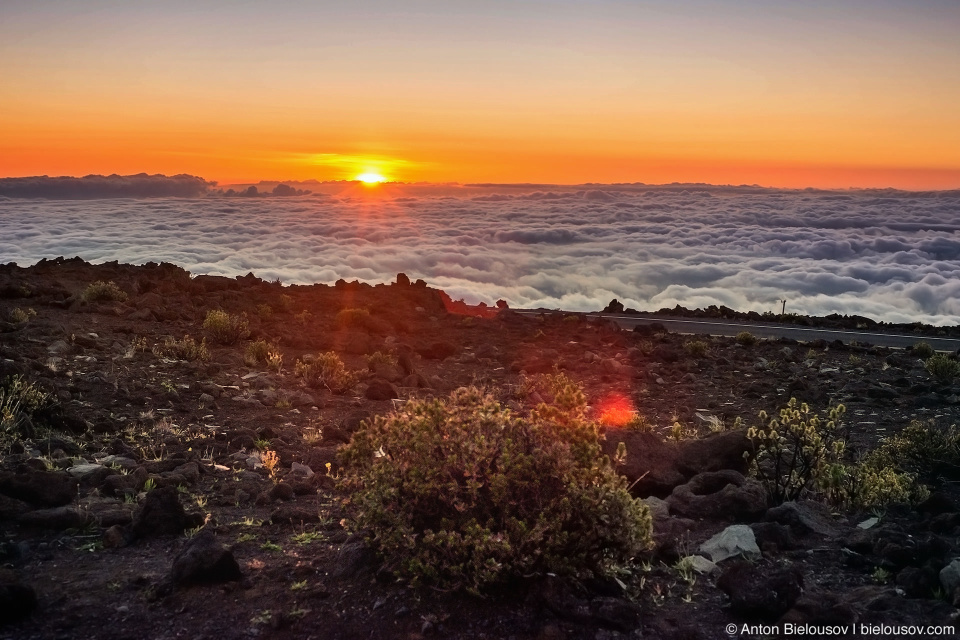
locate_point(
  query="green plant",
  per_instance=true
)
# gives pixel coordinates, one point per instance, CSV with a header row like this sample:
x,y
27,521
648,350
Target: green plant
x,y
256,353
246,537
271,546
921,449
327,370
795,449
270,462
922,350
379,358
185,349
696,348
275,361
801,455
225,328
20,402
352,318
297,586
306,537
746,339
881,575
149,485
461,493
19,316
942,367
264,311
101,291
303,317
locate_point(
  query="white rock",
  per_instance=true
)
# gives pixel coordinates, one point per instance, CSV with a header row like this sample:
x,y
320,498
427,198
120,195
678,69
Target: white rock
x,y
83,470
659,509
869,523
735,540
702,565
298,469
950,577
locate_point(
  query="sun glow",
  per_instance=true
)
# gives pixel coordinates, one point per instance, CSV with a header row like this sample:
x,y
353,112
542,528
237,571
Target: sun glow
x,y
371,178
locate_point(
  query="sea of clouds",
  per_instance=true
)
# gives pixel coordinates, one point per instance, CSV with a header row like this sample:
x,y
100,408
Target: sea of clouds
x,y
892,256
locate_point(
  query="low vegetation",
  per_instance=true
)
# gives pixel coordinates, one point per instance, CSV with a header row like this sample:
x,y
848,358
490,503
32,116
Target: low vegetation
x,y
746,339
800,454
225,328
101,291
942,367
327,370
185,349
20,401
461,493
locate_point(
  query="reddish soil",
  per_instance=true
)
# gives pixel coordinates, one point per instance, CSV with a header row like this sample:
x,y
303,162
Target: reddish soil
x,y
199,428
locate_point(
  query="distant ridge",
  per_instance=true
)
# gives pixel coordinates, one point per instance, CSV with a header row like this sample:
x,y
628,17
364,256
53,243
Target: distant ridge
x,y
94,187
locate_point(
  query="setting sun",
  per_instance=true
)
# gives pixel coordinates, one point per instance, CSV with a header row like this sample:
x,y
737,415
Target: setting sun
x,y
371,178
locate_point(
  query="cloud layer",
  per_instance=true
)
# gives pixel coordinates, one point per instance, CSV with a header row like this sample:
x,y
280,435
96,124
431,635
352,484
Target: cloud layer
x,y
892,256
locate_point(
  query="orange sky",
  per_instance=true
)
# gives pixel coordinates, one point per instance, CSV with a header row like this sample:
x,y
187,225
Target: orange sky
x,y
828,94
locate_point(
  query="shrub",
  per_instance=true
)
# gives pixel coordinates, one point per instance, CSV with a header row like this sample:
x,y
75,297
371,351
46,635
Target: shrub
x,y
19,316
803,456
256,352
353,318
19,401
101,291
942,367
186,349
746,339
696,348
379,358
923,350
796,450
461,493
265,311
922,449
226,328
327,370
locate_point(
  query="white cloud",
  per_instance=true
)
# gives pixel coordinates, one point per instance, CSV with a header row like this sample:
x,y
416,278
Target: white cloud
x,y
890,255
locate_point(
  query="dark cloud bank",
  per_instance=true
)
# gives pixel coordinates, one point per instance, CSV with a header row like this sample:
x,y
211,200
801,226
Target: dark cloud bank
x,y
888,255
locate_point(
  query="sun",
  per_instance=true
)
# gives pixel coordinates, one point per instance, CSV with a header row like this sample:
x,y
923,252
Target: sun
x,y
370,178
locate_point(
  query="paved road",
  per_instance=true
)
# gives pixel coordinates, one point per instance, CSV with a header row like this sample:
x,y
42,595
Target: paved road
x,y
733,327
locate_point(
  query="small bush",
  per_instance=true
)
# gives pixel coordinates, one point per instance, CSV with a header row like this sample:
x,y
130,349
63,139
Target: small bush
x,y
353,318
379,358
795,450
746,339
801,455
265,311
256,353
19,401
19,316
327,370
101,291
185,349
923,350
696,348
460,493
942,367
922,449
225,328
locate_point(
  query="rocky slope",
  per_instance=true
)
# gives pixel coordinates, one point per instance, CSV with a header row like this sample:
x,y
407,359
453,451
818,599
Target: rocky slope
x,y
144,501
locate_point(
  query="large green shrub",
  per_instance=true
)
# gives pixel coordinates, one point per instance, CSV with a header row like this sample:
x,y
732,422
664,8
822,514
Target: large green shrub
x,y
942,367
801,455
461,493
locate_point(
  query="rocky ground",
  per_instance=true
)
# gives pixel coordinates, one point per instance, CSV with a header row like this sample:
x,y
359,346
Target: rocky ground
x,y
145,503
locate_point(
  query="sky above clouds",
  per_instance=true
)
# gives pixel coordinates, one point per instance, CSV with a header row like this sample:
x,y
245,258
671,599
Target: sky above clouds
x,y
773,92
888,255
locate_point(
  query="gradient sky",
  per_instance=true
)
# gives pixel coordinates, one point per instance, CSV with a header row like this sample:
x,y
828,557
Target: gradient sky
x,y
779,93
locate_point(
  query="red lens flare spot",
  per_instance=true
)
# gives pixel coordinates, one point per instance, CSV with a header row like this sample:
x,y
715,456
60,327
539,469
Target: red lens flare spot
x,y
616,410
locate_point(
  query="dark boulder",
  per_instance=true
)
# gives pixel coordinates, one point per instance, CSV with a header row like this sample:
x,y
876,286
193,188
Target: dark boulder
x,y
761,593
160,514
204,561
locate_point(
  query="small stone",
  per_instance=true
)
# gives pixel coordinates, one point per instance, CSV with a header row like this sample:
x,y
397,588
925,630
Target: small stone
x,y
950,576
868,523
702,565
735,540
